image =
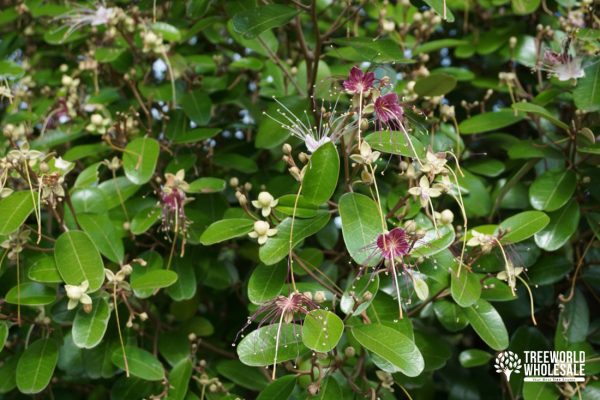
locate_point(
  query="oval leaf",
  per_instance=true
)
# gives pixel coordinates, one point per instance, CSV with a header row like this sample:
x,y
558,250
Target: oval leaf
x,y
488,324
322,330
139,159
14,210
89,328
77,260
36,366
257,349
141,363
523,226
226,229
321,176
552,190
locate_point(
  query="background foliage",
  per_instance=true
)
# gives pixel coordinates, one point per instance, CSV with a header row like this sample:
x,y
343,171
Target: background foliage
x,y
135,148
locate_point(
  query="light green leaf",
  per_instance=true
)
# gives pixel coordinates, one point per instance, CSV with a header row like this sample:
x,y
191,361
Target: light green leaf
x,y
488,324
266,282
77,260
329,390
489,121
281,388
44,270
36,366
140,158
179,380
185,285
466,288
155,279
226,229
392,346
104,235
474,358
524,7
14,210
361,224
207,185
3,334
540,111
89,328
277,247
169,32
89,200
587,92
522,226
144,219
395,142
552,190
31,294
142,364
321,176
322,330
257,349
435,85
441,9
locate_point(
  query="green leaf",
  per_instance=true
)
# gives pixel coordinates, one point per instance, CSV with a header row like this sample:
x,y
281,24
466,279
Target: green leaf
x,y
489,121
395,142
89,200
14,210
253,22
524,7
474,358
281,388
144,219
44,270
185,285
277,247
77,260
358,288
226,229
488,324
89,328
3,334
141,363
104,235
179,379
466,288
540,111
31,294
392,346
486,167
8,374
257,349
322,330
435,85
321,176
522,226
117,190
303,209
242,375
207,185
9,70
587,92
140,158
540,391
197,106
552,190
36,366
329,390
154,279
361,224
266,282
434,241
169,32
563,224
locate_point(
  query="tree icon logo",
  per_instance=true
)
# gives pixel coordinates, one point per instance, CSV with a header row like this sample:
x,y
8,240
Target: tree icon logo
x,y
507,362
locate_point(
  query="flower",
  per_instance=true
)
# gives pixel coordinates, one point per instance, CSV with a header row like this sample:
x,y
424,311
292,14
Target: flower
x,y
173,200
77,294
562,65
486,242
358,81
366,156
262,231
388,109
331,127
435,163
265,202
94,16
424,191
393,244
510,275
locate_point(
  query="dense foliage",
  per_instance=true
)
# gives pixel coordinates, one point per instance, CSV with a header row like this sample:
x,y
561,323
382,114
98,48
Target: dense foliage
x,y
297,199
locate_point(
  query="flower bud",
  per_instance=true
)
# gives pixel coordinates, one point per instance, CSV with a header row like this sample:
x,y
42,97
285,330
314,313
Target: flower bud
x,y
349,351
446,217
87,308
319,297
286,149
303,157
143,316
234,182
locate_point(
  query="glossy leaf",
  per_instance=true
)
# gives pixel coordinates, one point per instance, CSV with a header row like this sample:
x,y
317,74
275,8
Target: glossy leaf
x,y
254,21
266,282
257,349
36,366
31,294
552,190
321,176
523,226
563,224
322,330
141,363
140,158
78,260
14,210
489,121
102,232
89,328
226,229
488,324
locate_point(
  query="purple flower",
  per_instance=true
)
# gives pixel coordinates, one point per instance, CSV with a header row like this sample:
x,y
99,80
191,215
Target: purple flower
x,y
393,244
388,109
358,81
